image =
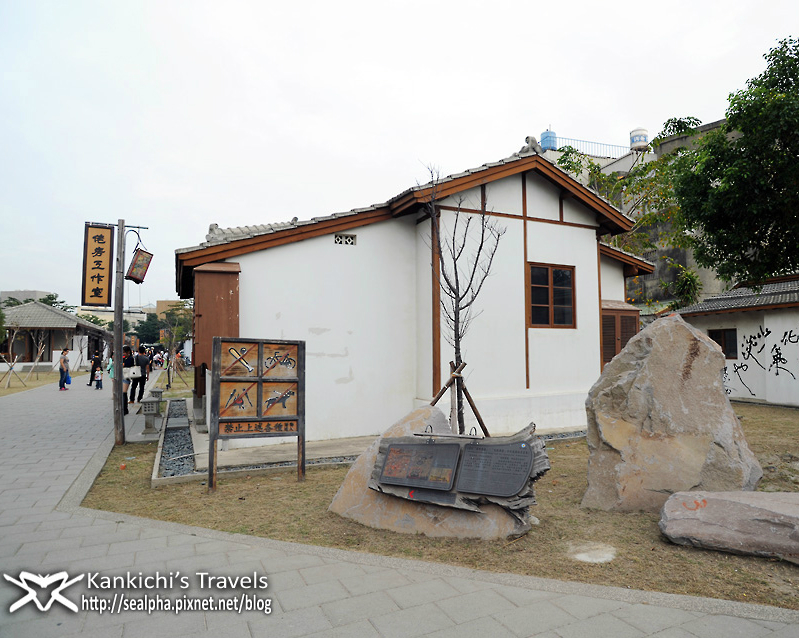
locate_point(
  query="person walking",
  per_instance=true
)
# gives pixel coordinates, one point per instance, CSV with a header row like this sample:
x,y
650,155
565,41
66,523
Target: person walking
x,y
97,364
63,369
127,362
143,362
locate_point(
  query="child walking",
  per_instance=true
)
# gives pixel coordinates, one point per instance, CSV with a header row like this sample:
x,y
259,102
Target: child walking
x,y
98,379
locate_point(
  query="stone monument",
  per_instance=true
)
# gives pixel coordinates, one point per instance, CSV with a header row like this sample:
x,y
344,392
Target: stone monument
x,y
442,485
660,422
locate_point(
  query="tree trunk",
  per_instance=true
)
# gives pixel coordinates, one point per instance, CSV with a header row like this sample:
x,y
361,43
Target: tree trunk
x,y
458,387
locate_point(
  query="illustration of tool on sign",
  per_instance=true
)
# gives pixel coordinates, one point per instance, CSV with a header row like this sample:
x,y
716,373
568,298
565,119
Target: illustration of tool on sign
x,y
237,400
239,358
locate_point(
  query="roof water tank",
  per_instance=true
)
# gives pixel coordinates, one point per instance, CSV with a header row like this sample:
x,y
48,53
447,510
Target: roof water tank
x,y
549,141
639,139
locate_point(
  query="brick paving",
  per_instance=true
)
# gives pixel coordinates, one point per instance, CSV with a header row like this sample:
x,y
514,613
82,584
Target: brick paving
x,y
52,444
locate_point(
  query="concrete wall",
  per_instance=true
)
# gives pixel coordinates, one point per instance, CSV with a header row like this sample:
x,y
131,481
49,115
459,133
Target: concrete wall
x,y
767,366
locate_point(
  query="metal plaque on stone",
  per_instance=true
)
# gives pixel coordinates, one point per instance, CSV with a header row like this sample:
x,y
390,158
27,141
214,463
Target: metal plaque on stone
x,y
494,470
422,465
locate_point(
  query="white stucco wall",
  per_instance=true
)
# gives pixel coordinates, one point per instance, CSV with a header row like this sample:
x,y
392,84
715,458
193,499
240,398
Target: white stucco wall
x,y
366,314
612,272
424,315
563,363
355,307
767,366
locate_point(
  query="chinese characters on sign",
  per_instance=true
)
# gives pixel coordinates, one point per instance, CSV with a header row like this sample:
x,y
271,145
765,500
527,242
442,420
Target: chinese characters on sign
x,y
98,265
257,390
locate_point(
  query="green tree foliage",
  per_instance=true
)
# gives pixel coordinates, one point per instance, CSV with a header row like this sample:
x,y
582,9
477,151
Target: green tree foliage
x,y
149,330
92,319
177,324
739,189
645,192
11,302
125,326
53,300
685,288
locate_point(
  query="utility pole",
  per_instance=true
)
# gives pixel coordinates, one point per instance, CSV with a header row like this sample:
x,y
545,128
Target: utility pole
x,y
119,410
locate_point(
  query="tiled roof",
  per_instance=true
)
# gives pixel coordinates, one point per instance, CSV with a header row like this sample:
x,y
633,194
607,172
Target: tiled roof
x,y
783,293
217,236
35,314
633,256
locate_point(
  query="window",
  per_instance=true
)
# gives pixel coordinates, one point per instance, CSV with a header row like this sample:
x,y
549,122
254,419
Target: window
x,y
727,339
551,296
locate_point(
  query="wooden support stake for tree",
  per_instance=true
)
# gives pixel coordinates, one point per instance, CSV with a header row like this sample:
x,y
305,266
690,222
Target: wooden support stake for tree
x,y
36,362
12,371
449,382
474,409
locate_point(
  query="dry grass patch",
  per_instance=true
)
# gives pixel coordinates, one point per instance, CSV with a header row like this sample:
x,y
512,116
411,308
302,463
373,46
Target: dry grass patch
x,y
37,380
277,506
181,386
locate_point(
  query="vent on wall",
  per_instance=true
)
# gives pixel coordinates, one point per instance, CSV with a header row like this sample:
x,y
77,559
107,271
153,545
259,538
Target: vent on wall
x,y
345,240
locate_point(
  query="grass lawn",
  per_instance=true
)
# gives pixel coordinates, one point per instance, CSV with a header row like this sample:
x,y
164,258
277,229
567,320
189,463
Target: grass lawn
x,y
277,506
43,379
181,386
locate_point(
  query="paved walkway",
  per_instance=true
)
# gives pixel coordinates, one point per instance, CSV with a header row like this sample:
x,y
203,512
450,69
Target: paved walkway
x,y
52,444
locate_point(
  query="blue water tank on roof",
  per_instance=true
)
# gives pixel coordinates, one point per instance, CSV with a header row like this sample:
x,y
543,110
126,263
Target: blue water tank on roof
x,y
549,141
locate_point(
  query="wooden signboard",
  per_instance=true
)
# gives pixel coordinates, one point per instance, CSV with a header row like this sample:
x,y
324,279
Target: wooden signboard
x,y
98,265
257,390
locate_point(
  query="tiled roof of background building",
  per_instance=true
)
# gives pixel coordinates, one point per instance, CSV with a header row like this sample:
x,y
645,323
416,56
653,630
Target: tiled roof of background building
x,y
782,293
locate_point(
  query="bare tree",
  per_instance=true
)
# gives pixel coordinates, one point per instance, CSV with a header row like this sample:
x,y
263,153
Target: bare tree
x,y
39,338
465,251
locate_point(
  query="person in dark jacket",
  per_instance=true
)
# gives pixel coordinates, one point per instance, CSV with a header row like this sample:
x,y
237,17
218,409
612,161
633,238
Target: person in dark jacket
x,y
143,362
97,363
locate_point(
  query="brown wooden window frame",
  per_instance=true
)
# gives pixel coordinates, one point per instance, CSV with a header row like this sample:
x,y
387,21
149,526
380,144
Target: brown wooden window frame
x,y
550,296
727,338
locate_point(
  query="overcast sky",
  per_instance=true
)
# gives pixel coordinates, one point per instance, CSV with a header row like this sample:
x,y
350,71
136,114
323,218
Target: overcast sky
x,y
178,114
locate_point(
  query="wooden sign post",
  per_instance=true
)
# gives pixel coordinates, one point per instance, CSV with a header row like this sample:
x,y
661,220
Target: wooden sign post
x,y
257,390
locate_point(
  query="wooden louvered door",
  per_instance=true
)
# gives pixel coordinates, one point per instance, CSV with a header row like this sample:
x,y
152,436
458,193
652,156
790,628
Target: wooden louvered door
x,y
618,327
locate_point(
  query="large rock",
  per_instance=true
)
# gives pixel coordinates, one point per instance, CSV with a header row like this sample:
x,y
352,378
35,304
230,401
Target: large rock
x,y
660,422
356,501
759,523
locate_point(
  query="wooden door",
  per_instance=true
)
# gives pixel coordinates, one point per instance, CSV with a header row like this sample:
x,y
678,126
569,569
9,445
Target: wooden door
x,y
617,329
216,313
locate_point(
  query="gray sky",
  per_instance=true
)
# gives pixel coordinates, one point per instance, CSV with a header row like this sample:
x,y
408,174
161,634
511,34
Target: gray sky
x,y
178,114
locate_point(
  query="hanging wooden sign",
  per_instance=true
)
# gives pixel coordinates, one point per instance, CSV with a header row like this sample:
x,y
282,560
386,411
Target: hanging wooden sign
x,y
139,265
98,265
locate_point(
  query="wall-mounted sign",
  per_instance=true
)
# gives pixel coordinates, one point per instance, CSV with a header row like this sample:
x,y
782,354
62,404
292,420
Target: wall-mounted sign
x,y
139,265
98,265
257,390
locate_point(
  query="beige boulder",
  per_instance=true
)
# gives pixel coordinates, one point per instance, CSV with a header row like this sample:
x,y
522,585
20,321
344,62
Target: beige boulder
x,y
354,499
660,422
